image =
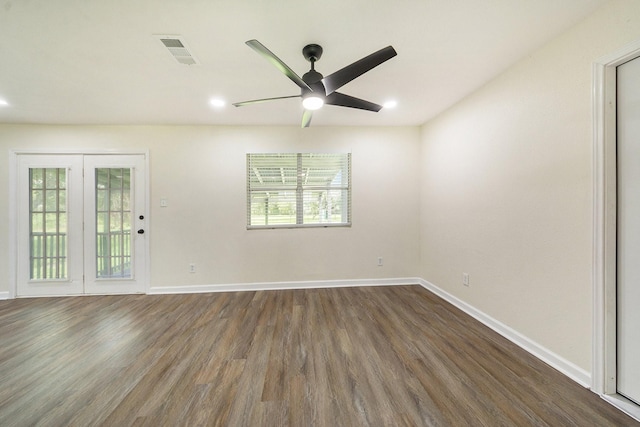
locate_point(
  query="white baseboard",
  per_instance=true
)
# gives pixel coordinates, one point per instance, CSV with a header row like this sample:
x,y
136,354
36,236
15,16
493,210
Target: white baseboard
x,y
571,370
4,295
265,286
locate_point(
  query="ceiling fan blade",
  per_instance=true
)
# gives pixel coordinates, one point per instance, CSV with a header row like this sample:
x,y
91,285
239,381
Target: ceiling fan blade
x,y
342,100
258,101
343,76
306,118
277,62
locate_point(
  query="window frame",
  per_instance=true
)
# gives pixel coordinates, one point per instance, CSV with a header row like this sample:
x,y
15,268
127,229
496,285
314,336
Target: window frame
x,y
300,189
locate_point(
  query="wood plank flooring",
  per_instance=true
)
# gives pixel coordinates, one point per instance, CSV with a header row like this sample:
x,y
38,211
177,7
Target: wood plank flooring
x,y
370,356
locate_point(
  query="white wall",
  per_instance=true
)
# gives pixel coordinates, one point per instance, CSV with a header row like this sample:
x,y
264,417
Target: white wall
x,y
205,223
507,189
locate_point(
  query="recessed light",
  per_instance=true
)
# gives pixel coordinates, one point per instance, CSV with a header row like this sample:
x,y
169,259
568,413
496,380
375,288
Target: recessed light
x,y
217,102
390,104
3,103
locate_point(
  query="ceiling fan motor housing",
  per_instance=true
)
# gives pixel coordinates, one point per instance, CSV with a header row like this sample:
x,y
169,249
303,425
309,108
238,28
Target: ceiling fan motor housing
x,y
314,80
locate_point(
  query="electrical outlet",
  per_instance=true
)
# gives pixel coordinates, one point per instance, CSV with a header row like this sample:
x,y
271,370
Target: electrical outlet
x,y
379,261
192,268
465,279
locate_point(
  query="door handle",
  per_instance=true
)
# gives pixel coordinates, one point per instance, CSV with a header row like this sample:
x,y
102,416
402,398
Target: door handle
x,y
141,231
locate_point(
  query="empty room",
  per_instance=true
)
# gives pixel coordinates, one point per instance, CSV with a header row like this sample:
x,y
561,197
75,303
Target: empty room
x,y
284,213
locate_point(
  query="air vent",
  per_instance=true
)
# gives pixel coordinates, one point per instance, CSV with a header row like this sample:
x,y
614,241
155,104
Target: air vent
x,y
178,49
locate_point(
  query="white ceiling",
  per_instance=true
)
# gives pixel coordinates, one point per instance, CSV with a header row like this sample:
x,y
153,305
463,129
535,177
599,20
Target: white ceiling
x,y
98,62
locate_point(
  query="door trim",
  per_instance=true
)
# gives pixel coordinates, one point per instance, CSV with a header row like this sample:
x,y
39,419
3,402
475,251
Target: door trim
x,y
604,346
13,205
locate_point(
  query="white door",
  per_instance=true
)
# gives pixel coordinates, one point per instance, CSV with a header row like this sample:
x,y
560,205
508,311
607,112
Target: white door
x,y
49,226
81,224
628,270
114,228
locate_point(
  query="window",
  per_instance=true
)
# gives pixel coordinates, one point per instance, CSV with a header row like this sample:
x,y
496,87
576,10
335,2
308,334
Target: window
x,y
298,189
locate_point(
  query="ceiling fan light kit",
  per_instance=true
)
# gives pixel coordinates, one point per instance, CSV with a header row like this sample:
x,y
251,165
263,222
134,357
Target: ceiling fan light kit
x,y
312,102
317,90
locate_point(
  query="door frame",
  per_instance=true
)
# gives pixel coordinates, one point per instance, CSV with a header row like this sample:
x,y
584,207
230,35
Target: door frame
x,y
604,344
13,204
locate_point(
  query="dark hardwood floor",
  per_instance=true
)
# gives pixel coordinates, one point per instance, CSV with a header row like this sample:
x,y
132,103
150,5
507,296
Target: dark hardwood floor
x,y
371,356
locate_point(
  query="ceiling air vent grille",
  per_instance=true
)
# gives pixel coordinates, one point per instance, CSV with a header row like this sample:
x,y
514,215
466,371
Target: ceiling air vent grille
x,y
178,49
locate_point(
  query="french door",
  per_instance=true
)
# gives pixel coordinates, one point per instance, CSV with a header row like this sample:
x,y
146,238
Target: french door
x,y
628,236
81,224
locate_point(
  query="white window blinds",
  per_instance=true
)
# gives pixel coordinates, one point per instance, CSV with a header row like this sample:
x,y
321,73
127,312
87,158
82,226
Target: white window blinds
x,y
298,189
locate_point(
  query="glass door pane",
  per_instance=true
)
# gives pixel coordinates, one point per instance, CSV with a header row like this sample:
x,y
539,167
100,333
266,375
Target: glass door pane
x,y
113,222
48,223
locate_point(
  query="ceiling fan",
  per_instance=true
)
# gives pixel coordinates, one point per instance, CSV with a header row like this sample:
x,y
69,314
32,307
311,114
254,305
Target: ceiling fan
x,y
317,90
